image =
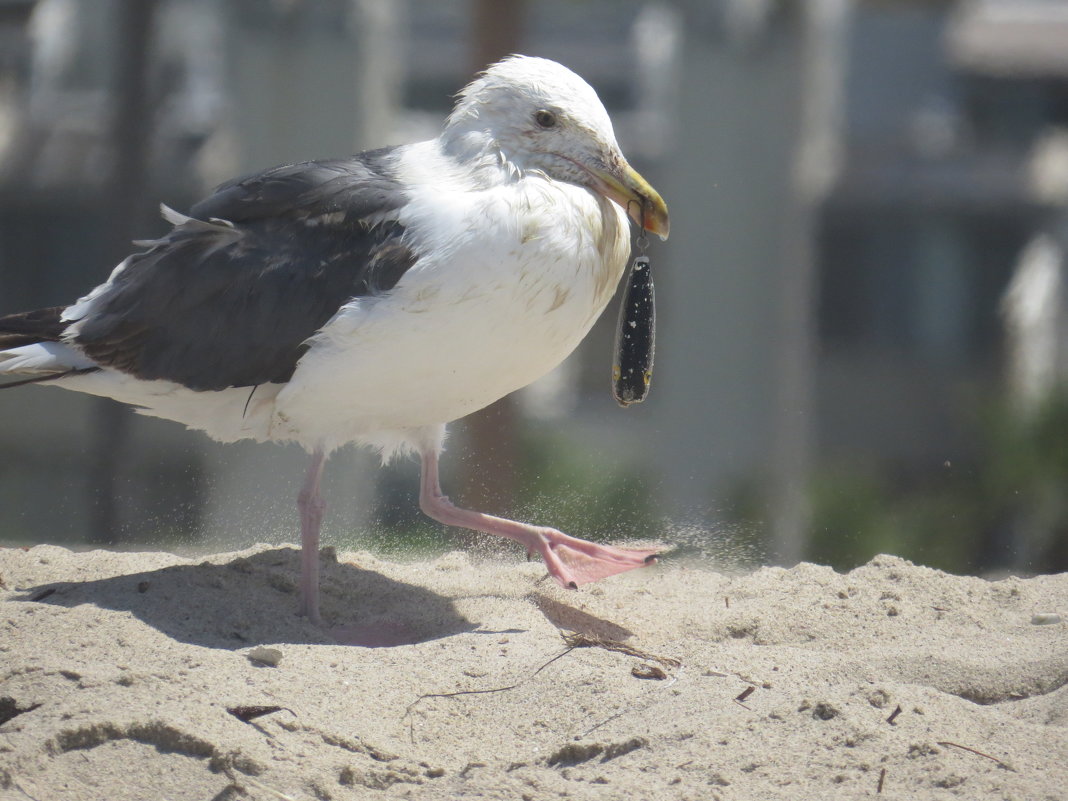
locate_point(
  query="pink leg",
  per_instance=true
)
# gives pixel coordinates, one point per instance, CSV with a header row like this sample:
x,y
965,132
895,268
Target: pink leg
x,y
572,562
311,505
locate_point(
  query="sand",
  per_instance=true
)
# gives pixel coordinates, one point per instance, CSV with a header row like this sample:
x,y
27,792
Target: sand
x,y
152,676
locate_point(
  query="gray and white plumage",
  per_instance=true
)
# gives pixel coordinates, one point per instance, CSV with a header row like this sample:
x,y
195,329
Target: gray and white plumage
x,y
370,299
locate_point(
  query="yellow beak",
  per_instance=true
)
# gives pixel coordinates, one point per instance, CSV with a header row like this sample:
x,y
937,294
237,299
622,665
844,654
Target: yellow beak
x,y
633,193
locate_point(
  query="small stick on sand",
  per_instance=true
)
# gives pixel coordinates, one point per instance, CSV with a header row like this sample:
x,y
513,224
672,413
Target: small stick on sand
x,y
893,716
882,778
408,709
575,639
246,714
493,689
977,753
740,698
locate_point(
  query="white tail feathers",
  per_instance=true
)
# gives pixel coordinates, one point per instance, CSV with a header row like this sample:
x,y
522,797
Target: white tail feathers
x,y
43,357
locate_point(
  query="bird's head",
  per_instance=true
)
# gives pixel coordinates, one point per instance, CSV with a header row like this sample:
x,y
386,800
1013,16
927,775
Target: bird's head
x,y
541,116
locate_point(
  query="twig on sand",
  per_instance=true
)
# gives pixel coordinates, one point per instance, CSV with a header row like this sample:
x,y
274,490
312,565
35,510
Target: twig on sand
x,y
740,698
492,689
882,778
745,693
247,714
893,715
411,706
575,639
1005,765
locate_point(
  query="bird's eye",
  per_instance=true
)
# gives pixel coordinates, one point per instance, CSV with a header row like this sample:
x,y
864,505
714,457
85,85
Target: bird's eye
x,y
545,118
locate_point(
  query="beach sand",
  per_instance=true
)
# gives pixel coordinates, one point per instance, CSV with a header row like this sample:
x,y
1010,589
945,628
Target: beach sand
x,y
152,676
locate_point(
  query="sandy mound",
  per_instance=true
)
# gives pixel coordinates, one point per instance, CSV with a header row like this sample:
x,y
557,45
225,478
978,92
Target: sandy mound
x,y
149,676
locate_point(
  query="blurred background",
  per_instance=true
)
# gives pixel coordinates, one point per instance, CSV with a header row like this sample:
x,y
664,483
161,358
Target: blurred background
x,y
863,316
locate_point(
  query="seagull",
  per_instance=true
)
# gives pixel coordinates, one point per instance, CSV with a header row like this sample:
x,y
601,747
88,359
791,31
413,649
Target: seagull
x,y
373,299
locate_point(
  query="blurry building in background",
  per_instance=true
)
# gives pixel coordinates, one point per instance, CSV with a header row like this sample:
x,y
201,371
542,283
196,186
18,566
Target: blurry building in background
x,y
933,212
952,175
847,319
948,111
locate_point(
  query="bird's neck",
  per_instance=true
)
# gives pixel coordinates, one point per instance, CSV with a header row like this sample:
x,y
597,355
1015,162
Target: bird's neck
x,y
480,155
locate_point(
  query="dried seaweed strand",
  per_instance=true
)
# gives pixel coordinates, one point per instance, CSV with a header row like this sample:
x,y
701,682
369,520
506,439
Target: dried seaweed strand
x,y
575,639
493,689
408,709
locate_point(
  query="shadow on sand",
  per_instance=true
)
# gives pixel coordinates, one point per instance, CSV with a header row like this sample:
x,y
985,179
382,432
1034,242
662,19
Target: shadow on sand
x,y
252,600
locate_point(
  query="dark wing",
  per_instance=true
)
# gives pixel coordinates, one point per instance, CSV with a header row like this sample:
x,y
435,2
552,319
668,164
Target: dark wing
x,y
360,187
228,299
29,328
